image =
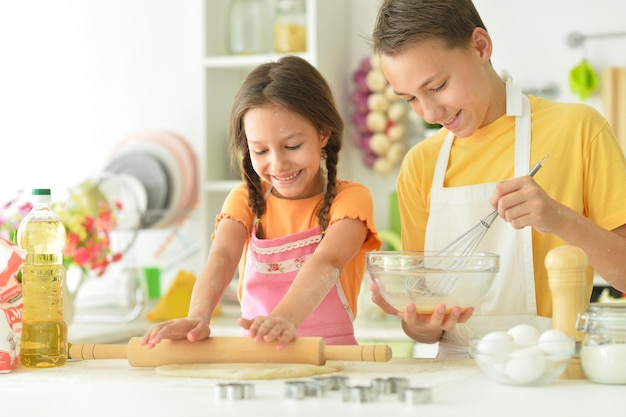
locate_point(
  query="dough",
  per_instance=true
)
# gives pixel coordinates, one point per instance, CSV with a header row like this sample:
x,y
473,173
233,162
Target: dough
x,y
245,371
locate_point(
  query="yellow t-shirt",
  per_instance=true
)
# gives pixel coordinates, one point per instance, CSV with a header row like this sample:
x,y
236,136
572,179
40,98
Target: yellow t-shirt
x,y
284,217
586,171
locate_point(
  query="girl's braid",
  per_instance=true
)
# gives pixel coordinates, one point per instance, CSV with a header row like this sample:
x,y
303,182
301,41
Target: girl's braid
x,y
332,153
256,199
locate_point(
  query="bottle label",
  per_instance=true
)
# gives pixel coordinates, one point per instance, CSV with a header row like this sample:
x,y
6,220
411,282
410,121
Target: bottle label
x,y
11,306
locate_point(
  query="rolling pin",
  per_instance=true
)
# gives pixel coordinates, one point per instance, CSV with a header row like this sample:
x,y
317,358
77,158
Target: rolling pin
x,y
567,278
308,350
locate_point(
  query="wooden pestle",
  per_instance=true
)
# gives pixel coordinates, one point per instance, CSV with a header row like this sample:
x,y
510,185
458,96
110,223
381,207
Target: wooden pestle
x,y
567,278
311,350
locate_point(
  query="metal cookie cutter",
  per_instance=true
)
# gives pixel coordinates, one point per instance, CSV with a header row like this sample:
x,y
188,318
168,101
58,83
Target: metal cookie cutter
x,y
235,391
297,390
334,382
359,394
415,395
397,384
382,386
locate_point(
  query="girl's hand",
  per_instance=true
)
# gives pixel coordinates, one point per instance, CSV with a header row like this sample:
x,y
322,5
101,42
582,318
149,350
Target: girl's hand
x,y
425,328
191,328
268,329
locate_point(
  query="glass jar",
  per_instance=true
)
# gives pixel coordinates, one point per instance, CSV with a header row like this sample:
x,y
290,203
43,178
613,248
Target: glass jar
x,y
603,348
249,27
290,32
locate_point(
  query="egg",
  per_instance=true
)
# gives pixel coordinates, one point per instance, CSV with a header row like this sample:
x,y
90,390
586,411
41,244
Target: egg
x,y
525,365
495,343
524,335
554,342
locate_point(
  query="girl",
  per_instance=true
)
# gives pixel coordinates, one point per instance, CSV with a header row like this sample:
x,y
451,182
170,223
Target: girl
x,y
301,231
437,55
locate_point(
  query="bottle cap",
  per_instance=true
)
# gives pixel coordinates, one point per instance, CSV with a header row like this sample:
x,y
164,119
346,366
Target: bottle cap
x,y
41,191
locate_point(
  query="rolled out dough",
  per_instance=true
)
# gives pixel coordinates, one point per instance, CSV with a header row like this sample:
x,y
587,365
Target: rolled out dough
x,y
247,371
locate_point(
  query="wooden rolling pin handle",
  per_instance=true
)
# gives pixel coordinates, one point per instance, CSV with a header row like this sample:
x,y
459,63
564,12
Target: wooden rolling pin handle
x,y
80,351
366,353
567,278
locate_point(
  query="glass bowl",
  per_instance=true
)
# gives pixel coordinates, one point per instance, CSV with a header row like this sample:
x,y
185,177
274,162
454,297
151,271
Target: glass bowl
x,y
431,278
534,365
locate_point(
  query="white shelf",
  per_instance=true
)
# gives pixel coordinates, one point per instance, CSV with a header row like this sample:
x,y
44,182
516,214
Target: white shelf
x,y
327,49
224,186
243,61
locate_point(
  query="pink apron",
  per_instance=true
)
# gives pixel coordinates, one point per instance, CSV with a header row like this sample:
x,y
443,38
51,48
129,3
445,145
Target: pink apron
x,y
271,267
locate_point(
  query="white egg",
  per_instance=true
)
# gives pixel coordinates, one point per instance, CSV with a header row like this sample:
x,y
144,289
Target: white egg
x,y
525,365
495,343
554,342
524,335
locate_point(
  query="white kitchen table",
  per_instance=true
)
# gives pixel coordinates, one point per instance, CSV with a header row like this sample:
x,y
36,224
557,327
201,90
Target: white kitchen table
x,y
113,388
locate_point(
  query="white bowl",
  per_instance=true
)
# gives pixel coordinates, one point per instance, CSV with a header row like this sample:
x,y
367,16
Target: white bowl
x,y
531,366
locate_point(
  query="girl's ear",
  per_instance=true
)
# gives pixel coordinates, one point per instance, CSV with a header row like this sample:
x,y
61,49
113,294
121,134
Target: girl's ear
x,y
481,42
324,137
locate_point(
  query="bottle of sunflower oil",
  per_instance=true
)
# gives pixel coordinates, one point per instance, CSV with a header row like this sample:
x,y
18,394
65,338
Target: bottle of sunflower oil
x,y
44,332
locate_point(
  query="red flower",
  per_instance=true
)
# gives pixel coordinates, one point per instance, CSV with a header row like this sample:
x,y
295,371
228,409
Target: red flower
x,y
88,243
274,267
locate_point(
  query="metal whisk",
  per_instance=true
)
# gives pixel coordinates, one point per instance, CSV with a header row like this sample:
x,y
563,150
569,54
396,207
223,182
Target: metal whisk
x,y
453,258
466,243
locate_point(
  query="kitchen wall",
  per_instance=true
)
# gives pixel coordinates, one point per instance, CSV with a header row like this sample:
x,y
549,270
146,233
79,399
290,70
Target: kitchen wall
x,y
77,76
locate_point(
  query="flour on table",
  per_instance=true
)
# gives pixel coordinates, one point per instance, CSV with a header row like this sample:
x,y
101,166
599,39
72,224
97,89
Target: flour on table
x,y
246,371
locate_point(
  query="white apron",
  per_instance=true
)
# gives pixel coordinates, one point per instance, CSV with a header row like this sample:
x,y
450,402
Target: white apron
x,y
455,210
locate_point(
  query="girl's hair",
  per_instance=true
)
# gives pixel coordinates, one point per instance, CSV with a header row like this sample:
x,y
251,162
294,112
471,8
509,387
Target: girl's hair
x,y
401,23
295,84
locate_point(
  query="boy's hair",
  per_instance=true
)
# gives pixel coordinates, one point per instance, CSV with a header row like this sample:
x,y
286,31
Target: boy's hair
x,y
295,84
401,23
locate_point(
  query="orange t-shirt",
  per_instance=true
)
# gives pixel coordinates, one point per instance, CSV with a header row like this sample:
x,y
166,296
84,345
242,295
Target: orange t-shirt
x,y
284,217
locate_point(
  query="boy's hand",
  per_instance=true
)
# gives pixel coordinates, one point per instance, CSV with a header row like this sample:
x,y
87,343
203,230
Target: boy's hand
x,y
424,328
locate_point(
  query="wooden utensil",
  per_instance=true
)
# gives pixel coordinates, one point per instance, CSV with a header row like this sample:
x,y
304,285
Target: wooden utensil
x,y
614,101
567,278
309,350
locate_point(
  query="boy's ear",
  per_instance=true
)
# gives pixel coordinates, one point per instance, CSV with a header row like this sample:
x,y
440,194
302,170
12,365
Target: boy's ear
x,y
481,42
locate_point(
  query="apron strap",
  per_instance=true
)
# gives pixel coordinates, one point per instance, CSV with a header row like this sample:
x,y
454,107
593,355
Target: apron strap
x,y
522,138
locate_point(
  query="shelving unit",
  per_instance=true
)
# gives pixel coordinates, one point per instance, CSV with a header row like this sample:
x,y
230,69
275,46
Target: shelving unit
x,y
327,49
